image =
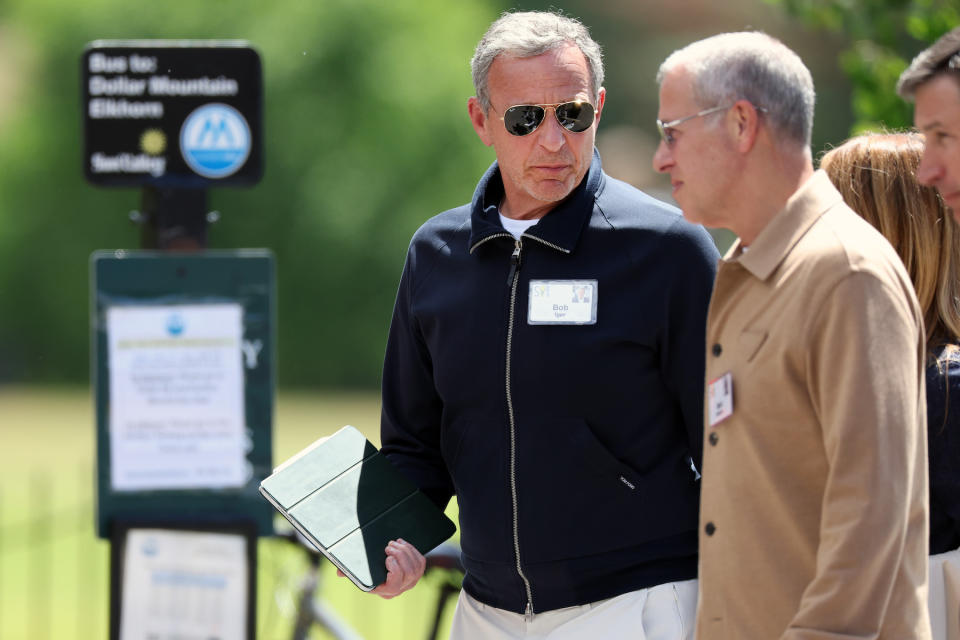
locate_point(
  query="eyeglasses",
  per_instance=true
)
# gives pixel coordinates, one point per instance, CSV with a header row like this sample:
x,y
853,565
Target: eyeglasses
x,y
523,119
665,127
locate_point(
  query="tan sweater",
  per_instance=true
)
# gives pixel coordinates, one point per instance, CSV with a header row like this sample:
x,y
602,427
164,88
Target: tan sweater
x,y
813,519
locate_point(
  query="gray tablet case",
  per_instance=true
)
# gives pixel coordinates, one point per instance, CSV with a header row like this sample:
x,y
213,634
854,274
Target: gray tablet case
x,y
349,501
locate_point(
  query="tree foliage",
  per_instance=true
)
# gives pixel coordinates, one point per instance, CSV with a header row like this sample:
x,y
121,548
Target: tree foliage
x,y
366,136
884,36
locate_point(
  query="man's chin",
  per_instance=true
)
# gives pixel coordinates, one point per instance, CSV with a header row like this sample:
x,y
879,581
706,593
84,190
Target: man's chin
x,y
691,214
547,191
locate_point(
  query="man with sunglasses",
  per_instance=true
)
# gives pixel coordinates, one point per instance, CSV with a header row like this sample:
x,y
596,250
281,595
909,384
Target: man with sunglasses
x,y
545,364
932,81
814,502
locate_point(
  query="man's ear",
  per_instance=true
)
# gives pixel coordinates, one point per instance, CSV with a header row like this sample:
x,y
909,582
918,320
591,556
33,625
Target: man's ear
x,y
479,120
601,100
744,122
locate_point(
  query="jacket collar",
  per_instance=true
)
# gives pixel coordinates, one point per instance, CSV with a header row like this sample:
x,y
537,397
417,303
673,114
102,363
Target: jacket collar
x,y
786,228
559,229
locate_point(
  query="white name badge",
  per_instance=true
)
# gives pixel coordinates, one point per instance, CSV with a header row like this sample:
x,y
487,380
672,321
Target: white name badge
x,y
720,399
562,302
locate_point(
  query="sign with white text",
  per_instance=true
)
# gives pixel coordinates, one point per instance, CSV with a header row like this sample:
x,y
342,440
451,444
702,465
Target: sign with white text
x,y
171,581
184,114
183,352
180,584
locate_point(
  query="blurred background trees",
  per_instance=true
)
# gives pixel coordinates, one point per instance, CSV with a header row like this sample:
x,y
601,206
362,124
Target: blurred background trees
x,y
366,137
883,36
365,103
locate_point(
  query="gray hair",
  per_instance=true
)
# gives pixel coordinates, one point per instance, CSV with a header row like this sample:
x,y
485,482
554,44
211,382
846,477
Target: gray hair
x,y
755,67
531,33
942,57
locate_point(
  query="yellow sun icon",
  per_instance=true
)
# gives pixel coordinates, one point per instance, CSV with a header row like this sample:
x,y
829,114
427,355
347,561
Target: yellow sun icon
x,y
153,141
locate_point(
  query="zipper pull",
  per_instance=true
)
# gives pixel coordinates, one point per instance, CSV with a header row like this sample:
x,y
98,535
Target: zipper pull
x,y
529,613
514,263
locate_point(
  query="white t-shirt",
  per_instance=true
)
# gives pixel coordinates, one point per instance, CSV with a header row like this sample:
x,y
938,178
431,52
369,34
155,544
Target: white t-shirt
x,y
516,227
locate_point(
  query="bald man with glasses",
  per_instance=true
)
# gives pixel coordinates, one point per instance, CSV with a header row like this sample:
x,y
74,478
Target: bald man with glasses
x,y
545,365
813,516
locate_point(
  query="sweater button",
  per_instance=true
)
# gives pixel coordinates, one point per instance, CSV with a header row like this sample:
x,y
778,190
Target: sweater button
x,y
717,349
713,438
710,529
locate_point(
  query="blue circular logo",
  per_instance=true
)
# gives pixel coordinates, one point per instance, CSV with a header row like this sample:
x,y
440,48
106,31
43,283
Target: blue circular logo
x,y
175,325
215,140
149,547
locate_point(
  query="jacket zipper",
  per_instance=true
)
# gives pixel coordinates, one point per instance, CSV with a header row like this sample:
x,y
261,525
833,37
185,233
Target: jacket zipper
x,y
488,238
549,244
512,281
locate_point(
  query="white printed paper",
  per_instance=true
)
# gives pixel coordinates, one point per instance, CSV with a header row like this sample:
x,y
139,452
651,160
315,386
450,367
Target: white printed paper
x,y
176,397
184,584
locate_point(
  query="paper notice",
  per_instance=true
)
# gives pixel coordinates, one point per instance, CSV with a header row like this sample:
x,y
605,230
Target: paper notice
x,y
176,397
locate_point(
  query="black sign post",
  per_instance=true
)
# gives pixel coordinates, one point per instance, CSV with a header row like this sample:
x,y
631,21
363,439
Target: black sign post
x,y
174,118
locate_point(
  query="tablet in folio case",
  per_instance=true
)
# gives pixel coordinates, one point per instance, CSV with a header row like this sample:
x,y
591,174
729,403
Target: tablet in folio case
x,y
345,497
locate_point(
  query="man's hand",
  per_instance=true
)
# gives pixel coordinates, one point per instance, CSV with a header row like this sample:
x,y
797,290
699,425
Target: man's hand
x,y
405,565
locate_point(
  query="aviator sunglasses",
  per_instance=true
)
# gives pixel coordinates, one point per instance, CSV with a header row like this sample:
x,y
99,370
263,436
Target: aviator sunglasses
x,y
523,119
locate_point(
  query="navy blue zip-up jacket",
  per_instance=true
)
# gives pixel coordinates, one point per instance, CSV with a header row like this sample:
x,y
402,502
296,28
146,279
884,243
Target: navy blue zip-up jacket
x,y
568,446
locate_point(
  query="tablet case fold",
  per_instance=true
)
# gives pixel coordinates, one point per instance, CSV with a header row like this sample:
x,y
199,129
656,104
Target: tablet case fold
x,y
349,501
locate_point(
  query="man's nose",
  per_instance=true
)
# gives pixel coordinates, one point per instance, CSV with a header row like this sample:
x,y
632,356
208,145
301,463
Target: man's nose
x,y
929,170
662,159
552,135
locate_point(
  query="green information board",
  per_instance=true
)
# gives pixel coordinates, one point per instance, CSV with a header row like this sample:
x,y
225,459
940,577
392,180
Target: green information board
x,y
183,371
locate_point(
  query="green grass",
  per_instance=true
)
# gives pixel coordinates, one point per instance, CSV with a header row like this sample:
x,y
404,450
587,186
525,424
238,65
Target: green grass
x,y
54,571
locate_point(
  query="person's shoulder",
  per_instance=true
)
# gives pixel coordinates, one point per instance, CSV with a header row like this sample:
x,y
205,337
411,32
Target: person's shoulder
x,y
841,257
843,243
443,235
946,363
442,229
625,207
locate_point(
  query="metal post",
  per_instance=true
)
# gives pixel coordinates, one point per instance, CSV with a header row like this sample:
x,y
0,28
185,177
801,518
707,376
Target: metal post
x,y
173,219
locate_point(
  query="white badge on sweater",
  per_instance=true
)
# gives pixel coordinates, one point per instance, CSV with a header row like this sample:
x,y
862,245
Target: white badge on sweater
x,y
562,302
720,399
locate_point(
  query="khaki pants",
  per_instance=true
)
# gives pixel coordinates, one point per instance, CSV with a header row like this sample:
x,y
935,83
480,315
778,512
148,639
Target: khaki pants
x,y
944,595
663,612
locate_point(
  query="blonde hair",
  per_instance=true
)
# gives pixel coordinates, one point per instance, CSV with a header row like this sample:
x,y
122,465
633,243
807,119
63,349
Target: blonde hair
x,y
876,174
